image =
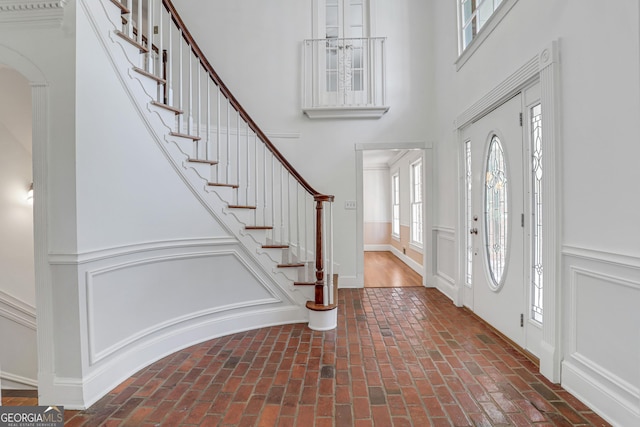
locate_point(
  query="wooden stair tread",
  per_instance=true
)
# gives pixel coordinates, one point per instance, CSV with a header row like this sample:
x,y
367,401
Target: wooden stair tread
x,y
152,76
132,41
208,162
166,107
294,265
258,227
311,305
219,184
123,9
275,246
184,135
241,207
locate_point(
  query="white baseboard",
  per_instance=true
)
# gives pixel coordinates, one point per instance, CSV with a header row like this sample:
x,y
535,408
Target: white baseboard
x,y
410,262
377,248
350,282
619,407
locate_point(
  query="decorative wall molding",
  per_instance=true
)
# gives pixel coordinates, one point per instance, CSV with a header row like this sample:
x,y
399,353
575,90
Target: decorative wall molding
x,y
164,327
138,248
442,235
17,311
600,361
32,12
17,379
601,256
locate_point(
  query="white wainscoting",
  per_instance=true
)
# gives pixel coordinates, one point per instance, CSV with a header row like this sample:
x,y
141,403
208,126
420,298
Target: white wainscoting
x,y
18,350
444,260
139,303
601,332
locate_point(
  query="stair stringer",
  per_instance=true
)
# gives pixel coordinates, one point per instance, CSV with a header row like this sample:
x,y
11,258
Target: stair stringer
x,y
142,90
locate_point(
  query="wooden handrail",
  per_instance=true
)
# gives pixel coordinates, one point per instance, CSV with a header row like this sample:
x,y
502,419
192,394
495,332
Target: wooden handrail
x,y
234,102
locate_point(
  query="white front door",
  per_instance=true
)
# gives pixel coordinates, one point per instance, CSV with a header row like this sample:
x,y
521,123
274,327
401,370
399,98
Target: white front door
x,y
496,220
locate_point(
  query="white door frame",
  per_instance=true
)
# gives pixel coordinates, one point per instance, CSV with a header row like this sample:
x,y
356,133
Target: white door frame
x,y
544,68
427,174
40,142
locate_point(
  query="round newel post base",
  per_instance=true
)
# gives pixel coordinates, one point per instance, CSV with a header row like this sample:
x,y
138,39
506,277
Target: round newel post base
x,y
322,317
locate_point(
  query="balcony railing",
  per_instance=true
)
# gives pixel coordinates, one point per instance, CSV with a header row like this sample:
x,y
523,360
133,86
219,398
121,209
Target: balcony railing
x,y
344,77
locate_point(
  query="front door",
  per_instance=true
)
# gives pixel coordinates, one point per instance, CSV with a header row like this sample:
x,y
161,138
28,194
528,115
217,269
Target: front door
x,y
495,214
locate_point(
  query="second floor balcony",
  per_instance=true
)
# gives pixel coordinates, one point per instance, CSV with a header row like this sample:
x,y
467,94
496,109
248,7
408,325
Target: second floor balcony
x,y
344,78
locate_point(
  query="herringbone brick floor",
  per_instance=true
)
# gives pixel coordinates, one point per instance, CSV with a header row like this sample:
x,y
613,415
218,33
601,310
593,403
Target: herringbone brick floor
x,y
399,357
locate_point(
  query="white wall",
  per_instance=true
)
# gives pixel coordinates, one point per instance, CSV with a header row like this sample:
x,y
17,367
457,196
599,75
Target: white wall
x,y
18,356
256,48
600,106
376,185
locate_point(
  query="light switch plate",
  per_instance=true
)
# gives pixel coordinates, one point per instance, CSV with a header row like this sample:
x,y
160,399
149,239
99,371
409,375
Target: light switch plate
x,y
349,204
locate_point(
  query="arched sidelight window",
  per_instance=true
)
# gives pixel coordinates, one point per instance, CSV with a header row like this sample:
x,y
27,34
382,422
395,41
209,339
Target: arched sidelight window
x,y
496,213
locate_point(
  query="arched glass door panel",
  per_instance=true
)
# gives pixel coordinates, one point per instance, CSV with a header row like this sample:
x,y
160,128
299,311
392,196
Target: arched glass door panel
x,y
496,213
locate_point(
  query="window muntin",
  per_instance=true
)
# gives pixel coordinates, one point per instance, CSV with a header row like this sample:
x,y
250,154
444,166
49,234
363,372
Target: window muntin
x,y
473,15
496,214
536,232
416,203
395,202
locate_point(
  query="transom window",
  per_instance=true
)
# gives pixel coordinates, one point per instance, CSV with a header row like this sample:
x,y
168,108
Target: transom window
x,y
496,214
473,15
395,195
416,203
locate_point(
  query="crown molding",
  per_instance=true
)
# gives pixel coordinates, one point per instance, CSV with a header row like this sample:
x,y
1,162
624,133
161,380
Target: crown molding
x,y
32,12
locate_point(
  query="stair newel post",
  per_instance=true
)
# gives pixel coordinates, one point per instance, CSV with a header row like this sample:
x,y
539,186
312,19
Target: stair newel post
x,y
319,288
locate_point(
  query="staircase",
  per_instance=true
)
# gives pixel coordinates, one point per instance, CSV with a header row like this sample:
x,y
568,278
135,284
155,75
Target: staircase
x,y
226,159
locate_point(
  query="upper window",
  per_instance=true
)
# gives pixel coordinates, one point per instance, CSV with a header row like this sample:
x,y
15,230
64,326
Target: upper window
x,y
395,196
416,203
474,14
476,20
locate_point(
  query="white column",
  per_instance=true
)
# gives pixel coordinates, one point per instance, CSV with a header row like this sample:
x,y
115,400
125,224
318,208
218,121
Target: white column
x,y
550,359
44,291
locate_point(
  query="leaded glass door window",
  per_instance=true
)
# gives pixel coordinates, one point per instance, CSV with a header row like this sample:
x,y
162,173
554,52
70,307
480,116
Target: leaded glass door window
x,y
496,212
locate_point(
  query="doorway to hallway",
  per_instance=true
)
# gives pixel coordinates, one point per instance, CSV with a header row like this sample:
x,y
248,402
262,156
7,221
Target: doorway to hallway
x,y
385,270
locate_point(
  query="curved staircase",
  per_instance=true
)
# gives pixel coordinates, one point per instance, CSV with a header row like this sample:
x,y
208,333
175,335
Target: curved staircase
x,y
228,162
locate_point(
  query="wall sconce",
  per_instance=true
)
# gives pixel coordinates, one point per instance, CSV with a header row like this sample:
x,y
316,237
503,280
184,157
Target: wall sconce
x,y
30,193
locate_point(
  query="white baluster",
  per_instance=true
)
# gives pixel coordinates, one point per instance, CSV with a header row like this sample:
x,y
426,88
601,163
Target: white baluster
x,y
149,64
207,147
179,85
219,159
248,189
228,141
138,37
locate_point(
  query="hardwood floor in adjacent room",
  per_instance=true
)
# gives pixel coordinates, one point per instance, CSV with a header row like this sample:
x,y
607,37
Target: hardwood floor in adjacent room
x,y
385,270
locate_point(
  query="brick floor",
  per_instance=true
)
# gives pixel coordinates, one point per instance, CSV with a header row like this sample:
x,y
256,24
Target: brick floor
x,y
399,357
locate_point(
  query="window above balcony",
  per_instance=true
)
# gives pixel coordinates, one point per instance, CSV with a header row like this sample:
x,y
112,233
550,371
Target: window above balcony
x,y
344,68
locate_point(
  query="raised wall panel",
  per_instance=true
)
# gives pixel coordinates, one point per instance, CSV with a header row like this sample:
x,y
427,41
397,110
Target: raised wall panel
x,y
131,301
602,346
